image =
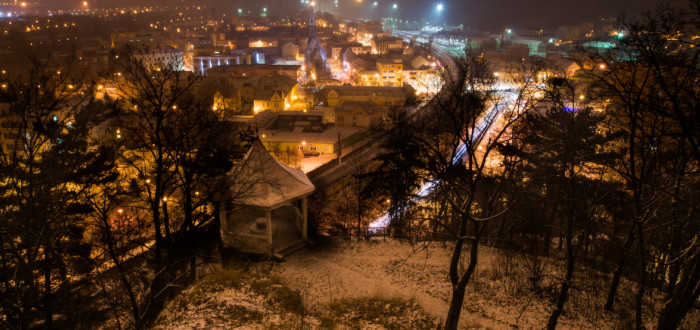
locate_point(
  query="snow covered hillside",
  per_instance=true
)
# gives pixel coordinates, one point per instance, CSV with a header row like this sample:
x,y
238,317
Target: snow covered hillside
x,y
387,284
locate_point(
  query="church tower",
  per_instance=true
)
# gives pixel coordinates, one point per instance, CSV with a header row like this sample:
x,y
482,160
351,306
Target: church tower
x,y
315,55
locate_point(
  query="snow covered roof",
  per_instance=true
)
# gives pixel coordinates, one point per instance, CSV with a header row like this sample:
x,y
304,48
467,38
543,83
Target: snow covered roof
x,y
270,184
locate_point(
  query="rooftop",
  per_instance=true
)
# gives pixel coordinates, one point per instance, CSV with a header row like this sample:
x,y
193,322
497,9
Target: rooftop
x,y
367,106
329,136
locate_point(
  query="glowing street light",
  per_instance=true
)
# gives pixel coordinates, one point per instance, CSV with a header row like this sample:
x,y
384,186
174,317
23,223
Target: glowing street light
x,y
440,7
375,4
395,6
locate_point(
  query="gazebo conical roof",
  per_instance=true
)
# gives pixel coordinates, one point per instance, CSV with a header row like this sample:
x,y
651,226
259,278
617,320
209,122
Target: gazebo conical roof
x,y
265,182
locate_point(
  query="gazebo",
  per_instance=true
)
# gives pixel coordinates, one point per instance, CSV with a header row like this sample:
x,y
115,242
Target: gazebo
x,y
267,211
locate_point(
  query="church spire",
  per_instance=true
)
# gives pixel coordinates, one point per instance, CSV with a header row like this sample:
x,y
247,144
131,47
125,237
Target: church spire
x,y
315,55
312,21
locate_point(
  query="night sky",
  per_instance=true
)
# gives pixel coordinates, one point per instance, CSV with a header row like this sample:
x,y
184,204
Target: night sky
x,y
480,14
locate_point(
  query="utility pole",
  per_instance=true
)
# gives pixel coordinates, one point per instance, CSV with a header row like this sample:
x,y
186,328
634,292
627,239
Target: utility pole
x,y
340,151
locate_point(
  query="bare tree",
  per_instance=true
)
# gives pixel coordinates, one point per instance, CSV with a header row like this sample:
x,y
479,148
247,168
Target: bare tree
x,y
455,138
151,85
648,87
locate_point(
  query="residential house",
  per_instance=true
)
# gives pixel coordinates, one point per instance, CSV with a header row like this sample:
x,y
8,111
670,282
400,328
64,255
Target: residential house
x,y
368,78
284,143
290,51
276,93
390,72
383,96
204,60
358,114
257,70
386,44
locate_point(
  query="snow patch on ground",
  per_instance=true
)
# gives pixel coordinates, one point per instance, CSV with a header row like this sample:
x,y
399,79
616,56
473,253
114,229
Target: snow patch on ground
x,y
420,271
387,284
257,299
220,306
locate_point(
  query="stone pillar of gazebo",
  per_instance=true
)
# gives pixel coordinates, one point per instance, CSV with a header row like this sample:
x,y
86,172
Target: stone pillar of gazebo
x,y
304,215
268,213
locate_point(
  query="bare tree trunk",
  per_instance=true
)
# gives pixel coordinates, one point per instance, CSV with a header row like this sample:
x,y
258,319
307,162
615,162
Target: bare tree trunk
x,y
455,310
570,258
155,208
638,300
166,226
684,296
548,232
676,232
564,293
459,284
561,234
617,274
3,265
189,225
111,249
48,315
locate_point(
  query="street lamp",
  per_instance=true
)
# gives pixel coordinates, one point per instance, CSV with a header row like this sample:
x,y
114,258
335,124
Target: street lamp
x,y
440,7
395,6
